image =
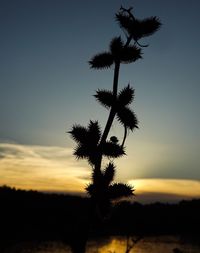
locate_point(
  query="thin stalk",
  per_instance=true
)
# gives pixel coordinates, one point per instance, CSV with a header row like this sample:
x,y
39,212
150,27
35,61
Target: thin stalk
x,y
125,135
112,111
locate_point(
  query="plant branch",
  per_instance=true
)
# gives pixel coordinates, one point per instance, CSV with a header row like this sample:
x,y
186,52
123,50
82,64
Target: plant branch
x,y
112,111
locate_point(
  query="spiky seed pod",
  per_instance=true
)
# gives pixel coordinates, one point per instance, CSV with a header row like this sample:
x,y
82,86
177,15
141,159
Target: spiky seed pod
x,y
101,61
124,54
101,197
135,30
97,177
126,96
81,152
118,53
116,47
125,22
104,97
90,189
138,28
130,54
94,132
88,152
145,27
119,190
93,156
78,133
127,118
112,150
97,192
149,26
87,147
130,24
109,174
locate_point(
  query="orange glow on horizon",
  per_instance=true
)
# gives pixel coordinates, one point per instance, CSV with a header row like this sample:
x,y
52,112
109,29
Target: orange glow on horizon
x,y
48,168
188,188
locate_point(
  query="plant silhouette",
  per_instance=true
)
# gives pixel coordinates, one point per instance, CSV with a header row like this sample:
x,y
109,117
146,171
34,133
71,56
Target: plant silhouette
x,y
92,143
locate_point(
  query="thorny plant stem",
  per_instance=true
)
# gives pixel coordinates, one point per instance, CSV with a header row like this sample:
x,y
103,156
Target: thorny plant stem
x,y
113,108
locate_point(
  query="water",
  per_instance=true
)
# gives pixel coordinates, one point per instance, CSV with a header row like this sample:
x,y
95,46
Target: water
x,y
160,244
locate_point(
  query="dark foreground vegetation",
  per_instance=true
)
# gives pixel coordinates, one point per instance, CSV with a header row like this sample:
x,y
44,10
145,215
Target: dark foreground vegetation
x,y
31,215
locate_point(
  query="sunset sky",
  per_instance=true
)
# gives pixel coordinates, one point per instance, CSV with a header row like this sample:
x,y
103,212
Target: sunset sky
x,y
46,85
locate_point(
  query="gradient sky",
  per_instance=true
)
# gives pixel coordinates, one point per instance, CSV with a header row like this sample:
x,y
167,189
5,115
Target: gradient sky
x,y
46,86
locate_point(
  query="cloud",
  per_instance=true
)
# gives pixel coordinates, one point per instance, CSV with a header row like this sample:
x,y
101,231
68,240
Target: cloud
x,y
52,168
151,159
8,150
41,168
165,189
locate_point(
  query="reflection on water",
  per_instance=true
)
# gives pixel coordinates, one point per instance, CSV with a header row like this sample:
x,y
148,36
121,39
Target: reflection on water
x,y
161,244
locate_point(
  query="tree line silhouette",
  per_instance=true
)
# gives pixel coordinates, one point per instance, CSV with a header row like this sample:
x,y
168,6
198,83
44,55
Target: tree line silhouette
x,y
29,215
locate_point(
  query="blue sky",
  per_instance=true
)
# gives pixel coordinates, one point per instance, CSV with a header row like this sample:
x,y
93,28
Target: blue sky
x,y
46,84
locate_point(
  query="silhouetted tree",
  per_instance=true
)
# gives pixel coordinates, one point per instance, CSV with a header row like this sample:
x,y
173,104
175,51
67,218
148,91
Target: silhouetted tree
x,y
92,143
